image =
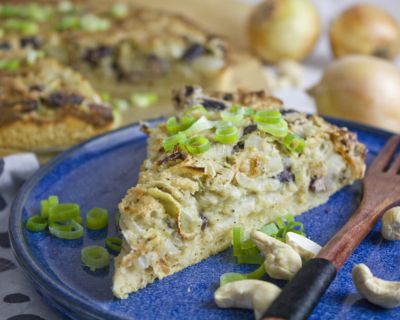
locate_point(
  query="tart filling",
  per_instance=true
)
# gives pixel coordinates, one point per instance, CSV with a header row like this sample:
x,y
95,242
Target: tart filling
x,y
226,159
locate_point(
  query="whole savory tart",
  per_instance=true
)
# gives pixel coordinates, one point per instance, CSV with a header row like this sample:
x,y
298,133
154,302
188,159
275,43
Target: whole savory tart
x,y
45,105
119,47
226,159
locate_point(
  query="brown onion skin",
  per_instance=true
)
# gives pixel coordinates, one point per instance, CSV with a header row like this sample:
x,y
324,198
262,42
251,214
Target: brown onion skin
x,y
365,29
362,88
283,29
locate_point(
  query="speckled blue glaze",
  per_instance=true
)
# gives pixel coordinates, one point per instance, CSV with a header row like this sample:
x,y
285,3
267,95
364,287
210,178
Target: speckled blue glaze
x,y
98,173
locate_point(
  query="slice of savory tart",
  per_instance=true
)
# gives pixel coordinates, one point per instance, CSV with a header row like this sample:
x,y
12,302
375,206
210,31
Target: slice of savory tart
x,y
45,105
121,48
226,159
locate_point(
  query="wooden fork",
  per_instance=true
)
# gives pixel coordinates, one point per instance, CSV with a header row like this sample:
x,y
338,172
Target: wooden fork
x,y
381,191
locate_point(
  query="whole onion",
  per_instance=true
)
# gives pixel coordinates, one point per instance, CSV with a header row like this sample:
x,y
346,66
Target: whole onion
x,y
365,29
283,29
361,88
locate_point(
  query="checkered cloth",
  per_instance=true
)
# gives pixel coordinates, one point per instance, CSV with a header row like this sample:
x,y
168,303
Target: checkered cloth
x,y
18,299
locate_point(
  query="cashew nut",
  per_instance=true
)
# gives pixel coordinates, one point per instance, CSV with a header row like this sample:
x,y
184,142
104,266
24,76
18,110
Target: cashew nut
x,y
377,291
281,260
248,294
305,247
391,224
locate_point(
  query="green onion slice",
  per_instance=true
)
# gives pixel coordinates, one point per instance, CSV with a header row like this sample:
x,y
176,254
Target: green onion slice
x,y
250,256
95,257
31,11
114,243
250,259
294,143
144,100
196,112
119,10
248,111
64,211
69,22
45,205
97,218
278,130
9,64
65,6
186,122
270,229
69,230
237,238
26,27
234,114
120,104
36,12
227,134
233,276
177,139
197,145
231,117
267,117
200,125
173,125
248,244
36,223
93,23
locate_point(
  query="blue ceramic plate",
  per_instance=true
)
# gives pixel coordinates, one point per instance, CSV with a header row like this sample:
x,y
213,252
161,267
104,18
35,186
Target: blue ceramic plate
x,y
97,173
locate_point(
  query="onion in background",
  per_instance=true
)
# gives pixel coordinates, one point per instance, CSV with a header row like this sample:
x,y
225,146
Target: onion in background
x,y
283,29
365,29
361,88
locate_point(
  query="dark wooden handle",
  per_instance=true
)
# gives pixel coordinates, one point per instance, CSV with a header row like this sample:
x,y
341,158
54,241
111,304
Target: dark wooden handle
x,y
299,297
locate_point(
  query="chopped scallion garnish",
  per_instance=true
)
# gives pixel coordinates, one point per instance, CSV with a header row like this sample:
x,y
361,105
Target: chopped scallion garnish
x,y
45,205
9,64
97,218
270,229
267,117
227,134
65,6
120,104
177,139
144,100
173,125
196,112
237,238
91,22
202,124
114,244
234,114
69,230
233,276
26,27
36,223
95,257
254,258
294,143
65,211
197,145
119,10
279,129
69,22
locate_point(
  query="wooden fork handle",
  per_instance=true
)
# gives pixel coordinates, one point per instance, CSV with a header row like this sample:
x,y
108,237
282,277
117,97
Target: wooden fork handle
x,y
299,297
